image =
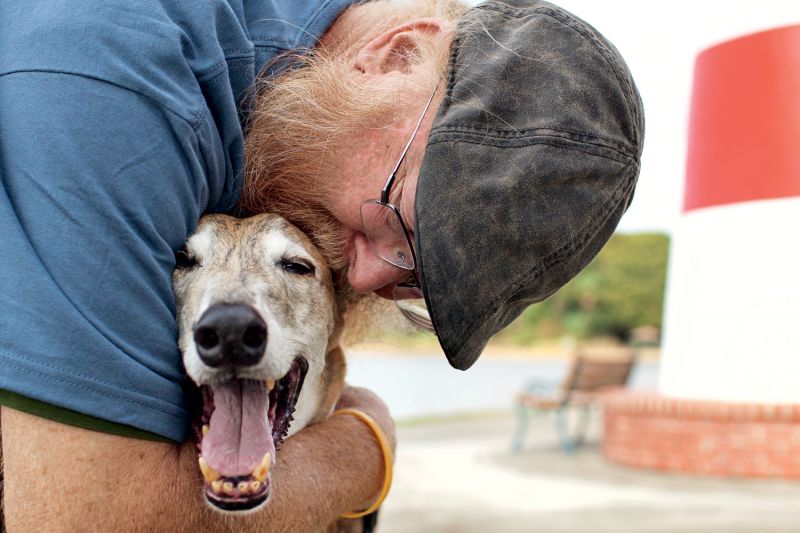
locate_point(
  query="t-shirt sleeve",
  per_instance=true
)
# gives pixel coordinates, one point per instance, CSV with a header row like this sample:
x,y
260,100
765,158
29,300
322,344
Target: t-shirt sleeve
x,y
99,186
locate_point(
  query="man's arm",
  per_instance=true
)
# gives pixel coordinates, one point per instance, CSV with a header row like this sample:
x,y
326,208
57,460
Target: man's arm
x,y
76,480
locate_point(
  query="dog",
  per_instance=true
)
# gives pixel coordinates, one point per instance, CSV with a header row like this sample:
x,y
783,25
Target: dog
x,y
259,330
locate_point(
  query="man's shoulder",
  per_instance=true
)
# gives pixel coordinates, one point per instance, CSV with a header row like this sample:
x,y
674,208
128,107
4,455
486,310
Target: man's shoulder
x,y
153,47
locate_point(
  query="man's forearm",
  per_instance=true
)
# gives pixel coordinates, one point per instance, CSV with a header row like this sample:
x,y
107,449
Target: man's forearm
x,y
77,480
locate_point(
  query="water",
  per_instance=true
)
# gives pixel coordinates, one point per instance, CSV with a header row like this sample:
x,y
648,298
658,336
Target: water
x,y
426,385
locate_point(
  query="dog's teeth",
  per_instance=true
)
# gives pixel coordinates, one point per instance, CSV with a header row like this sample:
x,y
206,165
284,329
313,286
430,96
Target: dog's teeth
x,y
254,486
262,471
216,486
244,487
227,487
209,473
270,384
205,429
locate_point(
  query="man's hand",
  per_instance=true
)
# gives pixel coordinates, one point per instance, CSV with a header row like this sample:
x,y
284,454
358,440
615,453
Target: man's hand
x,y
78,480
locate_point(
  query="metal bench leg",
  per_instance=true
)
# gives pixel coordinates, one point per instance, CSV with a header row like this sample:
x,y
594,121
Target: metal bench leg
x,y
522,428
571,439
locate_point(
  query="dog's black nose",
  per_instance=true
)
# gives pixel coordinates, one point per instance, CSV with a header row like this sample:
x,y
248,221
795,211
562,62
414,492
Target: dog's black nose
x,y
230,334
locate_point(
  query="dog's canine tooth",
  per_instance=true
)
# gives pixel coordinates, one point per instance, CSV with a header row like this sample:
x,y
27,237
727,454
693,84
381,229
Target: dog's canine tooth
x,y
270,384
205,429
254,486
216,486
209,473
262,471
227,487
244,487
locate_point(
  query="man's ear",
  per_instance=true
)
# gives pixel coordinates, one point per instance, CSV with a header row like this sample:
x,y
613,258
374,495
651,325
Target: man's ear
x,y
397,48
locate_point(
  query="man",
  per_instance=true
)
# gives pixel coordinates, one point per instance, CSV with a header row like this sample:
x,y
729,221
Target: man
x,y
529,163
119,130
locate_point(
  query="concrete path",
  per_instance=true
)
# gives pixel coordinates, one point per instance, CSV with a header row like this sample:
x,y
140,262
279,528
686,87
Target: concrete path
x,y
459,476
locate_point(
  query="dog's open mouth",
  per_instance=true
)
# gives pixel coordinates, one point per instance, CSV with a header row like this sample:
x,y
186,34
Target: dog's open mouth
x,y
243,422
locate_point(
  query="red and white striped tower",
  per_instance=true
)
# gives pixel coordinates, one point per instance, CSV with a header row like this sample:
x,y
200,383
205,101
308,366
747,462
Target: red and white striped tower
x,y
729,399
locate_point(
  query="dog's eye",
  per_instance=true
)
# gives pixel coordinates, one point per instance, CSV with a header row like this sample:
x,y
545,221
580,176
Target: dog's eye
x,y
184,260
300,267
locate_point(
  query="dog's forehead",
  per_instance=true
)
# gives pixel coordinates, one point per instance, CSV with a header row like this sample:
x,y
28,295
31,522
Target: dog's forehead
x,y
215,237
203,241
279,243
266,235
278,238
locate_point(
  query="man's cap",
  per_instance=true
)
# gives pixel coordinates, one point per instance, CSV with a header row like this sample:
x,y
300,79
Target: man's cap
x,y
531,162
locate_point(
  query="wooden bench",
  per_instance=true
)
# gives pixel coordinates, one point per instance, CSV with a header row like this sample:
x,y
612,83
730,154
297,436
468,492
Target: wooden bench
x,y
588,376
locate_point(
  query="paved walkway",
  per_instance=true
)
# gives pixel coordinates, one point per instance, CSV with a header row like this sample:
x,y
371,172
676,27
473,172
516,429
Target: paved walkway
x,y
460,476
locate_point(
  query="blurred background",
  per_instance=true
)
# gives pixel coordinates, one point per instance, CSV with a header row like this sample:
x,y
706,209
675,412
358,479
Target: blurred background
x,y
529,439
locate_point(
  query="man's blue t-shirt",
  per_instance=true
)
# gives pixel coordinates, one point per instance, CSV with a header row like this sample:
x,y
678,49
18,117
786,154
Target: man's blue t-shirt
x,y
119,128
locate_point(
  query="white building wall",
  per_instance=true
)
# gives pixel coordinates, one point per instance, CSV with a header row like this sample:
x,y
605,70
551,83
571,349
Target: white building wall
x,y
732,312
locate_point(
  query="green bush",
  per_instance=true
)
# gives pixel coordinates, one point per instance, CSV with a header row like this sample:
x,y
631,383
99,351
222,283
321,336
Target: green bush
x,y
623,288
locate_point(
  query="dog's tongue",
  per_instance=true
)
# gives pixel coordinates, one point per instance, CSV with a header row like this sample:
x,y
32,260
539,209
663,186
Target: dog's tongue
x,y
239,433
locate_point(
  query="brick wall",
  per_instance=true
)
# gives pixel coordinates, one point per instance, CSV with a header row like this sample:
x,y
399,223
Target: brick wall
x,y
648,430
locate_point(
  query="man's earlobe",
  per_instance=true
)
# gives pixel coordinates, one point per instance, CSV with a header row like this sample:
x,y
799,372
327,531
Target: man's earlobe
x,y
398,49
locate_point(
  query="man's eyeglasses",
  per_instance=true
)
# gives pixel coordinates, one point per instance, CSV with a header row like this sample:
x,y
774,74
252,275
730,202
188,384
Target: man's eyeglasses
x,y
390,239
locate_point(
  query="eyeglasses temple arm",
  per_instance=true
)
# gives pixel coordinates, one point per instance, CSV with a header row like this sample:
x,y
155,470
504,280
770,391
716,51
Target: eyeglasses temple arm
x,y
390,180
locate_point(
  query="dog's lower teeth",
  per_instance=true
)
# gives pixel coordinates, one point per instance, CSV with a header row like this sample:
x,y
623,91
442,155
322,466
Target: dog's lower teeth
x,y
244,487
216,486
254,486
227,487
262,471
209,473
205,429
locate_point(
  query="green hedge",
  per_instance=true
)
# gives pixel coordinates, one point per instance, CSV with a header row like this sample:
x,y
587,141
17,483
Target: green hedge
x,y
623,288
